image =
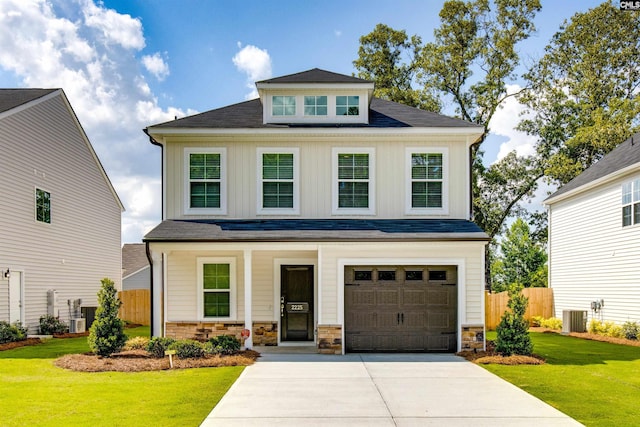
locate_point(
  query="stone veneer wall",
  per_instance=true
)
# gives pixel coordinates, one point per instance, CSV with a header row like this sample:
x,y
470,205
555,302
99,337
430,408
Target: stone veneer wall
x,y
264,333
473,337
330,339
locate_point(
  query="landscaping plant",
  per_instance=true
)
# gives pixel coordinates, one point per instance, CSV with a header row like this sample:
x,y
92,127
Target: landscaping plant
x,y
12,332
631,330
50,325
136,343
513,330
107,335
223,344
186,349
158,345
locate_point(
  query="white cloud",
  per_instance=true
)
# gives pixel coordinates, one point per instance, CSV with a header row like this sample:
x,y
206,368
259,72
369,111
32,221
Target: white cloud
x,y
337,33
255,63
116,28
156,65
504,122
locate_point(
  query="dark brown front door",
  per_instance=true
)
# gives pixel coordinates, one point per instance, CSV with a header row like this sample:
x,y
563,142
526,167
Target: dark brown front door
x,y
296,303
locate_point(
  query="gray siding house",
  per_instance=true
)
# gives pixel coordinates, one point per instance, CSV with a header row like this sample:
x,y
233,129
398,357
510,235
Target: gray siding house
x,y
60,215
136,272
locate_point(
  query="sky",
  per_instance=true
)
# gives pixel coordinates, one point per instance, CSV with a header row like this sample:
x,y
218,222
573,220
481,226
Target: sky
x,y
129,64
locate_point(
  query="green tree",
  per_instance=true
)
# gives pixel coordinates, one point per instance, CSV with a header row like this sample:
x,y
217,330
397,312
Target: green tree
x,y
521,260
513,330
388,57
106,335
583,91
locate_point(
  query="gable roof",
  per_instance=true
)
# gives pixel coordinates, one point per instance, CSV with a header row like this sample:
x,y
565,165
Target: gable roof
x,y
382,114
134,258
12,98
315,75
623,156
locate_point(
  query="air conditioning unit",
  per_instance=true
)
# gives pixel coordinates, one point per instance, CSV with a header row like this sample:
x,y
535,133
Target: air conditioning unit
x,y
77,325
574,321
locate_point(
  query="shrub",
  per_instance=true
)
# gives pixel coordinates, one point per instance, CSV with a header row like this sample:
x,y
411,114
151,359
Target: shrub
x,y
551,323
536,321
106,335
223,344
631,330
136,343
12,332
513,330
50,325
158,345
186,349
608,329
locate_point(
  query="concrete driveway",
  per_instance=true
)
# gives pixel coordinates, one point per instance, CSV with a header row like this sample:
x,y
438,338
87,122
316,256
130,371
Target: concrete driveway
x,y
377,390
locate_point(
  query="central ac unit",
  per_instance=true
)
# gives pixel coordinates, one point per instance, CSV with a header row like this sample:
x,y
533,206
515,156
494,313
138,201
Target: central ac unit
x,y
77,325
574,321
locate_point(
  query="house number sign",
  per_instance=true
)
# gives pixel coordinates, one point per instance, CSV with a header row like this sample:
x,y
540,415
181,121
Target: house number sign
x,y
297,307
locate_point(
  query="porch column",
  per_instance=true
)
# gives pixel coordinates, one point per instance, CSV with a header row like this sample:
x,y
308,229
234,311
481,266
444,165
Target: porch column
x,y
248,320
157,293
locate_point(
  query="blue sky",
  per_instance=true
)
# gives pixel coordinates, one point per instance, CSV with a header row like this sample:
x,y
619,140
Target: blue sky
x,y
127,64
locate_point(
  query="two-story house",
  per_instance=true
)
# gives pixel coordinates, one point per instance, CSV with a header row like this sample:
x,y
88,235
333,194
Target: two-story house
x,y
59,214
319,215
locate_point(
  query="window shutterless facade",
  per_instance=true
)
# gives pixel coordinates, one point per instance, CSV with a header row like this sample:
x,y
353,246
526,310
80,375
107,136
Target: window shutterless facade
x,y
205,183
283,105
347,105
278,179
43,206
631,203
353,181
426,183
315,105
217,287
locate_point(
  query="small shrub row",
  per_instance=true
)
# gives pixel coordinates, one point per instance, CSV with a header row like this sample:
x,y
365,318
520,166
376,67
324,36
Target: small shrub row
x,y
50,325
12,332
224,344
608,329
550,323
136,343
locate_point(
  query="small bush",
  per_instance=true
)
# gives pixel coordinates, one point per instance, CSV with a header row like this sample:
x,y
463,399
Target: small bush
x,y
12,332
106,335
631,330
536,321
513,330
223,344
158,345
188,349
50,325
551,323
608,329
136,343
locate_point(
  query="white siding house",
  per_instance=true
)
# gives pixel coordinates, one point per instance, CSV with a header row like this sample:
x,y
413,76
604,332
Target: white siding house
x,y
319,215
60,216
594,237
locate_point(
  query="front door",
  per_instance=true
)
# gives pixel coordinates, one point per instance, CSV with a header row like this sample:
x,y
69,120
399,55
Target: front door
x,y
296,303
15,297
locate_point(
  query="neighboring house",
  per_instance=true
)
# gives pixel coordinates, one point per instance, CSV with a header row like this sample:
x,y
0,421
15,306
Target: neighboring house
x,y
319,215
594,237
136,272
60,216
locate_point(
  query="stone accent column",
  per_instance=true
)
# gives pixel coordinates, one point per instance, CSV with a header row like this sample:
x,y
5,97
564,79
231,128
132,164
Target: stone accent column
x,y
330,339
473,337
248,322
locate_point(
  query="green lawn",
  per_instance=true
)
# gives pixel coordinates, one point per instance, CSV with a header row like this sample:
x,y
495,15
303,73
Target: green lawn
x,y
36,393
596,383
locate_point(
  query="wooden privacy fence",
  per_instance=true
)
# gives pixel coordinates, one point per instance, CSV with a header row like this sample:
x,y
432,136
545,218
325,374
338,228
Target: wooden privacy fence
x,y
540,304
135,306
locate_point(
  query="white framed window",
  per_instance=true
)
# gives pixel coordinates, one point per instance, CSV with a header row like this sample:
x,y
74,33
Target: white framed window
x,y
278,181
216,287
315,106
348,105
205,180
631,203
426,174
353,178
43,206
283,105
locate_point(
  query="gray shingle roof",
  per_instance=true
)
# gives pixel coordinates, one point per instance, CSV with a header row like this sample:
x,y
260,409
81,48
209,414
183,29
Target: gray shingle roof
x,y
12,98
315,75
382,114
624,155
283,230
134,258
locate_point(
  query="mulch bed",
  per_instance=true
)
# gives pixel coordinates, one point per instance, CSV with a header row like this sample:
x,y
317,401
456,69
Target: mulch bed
x,y
491,357
23,343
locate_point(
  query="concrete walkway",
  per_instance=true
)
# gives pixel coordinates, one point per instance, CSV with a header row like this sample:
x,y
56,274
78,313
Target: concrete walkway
x,y
377,390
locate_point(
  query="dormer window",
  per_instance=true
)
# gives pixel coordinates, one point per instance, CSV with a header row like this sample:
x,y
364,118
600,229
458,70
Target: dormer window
x,y
315,105
284,105
347,105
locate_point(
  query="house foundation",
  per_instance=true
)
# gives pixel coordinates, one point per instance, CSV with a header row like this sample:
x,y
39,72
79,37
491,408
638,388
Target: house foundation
x,y
330,339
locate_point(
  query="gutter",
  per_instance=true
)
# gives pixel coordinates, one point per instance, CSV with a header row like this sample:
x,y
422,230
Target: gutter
x,y
148,253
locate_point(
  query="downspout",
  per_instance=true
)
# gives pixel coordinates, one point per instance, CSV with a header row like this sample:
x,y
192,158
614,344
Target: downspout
x,y
146,246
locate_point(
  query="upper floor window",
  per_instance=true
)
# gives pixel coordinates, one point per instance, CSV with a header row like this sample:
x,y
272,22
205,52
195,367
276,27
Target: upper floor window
x,y
426,180
205,183
631,203
43,206
354,181
278,180
217,287
283,105
347,105
315,105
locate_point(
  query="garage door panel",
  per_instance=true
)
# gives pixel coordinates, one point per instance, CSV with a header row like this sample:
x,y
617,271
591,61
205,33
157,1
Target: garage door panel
x,y
441,342
387,297
412,297
441,297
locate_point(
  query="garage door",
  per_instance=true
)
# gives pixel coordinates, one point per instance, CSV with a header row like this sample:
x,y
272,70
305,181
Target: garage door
x,y
401,308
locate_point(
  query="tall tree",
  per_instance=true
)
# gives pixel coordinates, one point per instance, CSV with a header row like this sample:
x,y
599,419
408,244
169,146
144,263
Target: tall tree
x,y
388,57
584,91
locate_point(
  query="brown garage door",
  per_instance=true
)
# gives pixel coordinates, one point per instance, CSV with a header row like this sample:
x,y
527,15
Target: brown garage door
x,y
401,308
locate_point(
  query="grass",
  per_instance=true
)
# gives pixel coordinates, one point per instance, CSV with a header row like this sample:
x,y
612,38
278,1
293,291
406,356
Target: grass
x,y
36,393
594,382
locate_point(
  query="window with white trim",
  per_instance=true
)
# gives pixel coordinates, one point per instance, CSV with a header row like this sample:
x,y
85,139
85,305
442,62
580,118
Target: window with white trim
x,y
278,180
631,203
426,180
283,105
205,190
354,172
315,105
43,206
217,287
347,105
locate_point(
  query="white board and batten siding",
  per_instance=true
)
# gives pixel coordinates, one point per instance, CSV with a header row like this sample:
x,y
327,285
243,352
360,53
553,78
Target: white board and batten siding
x,y
592,257
44,147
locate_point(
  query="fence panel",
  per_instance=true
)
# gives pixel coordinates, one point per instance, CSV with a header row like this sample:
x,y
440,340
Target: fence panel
x,y
540,304
135,306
